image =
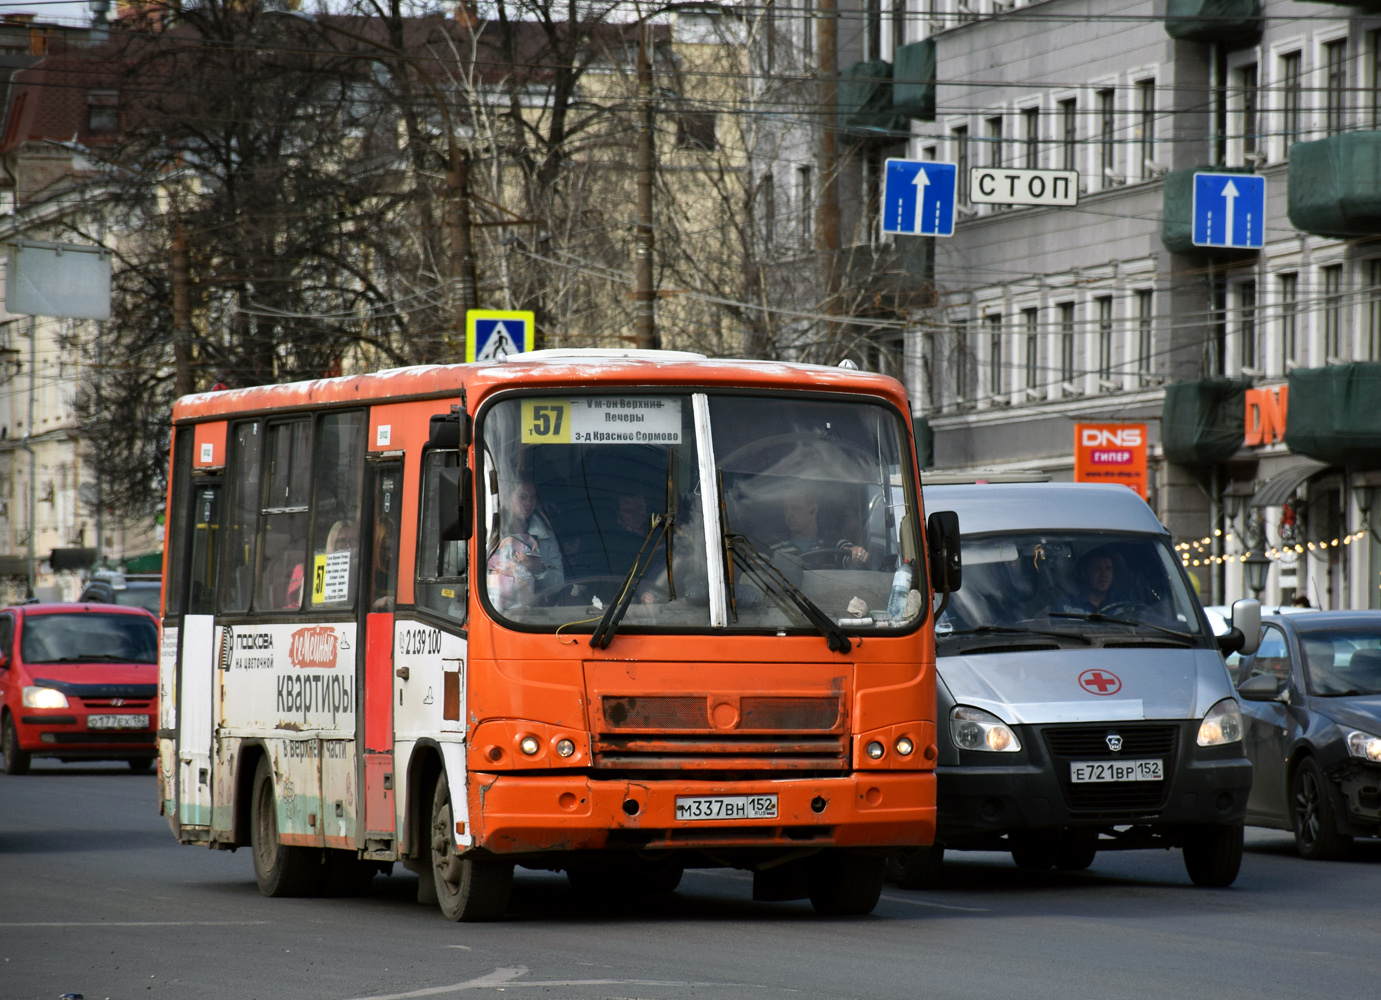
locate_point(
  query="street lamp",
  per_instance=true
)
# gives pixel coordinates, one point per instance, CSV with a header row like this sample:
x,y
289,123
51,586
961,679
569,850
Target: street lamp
x,y
1258,566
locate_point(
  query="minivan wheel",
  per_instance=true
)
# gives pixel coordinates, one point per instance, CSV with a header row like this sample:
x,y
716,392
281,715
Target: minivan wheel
x,y
922,868
1034,856
1213,855
1075,856
1312,815
16,760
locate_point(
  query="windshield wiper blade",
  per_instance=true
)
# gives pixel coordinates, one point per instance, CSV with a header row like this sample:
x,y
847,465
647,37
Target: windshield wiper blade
x,y
1013,630
613,615
772,580
1098,616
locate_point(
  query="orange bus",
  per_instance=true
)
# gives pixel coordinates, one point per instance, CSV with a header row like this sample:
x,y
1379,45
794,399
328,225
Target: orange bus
x,y
613,613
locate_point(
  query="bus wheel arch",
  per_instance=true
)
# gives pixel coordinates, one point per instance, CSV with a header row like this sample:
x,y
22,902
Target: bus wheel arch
x,y
246,767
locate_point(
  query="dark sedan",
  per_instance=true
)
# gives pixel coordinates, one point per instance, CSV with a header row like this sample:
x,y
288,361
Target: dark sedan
x,y
1312,711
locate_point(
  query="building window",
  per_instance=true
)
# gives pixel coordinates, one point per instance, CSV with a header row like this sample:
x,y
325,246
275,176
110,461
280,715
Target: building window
x,y
1332,312
1031,320
805,198
1246,321
961,362
1107,137
1290,99
872,196
695,130
1146,132
1145,327
1374,309
928,153
1031,121
807,34
994,321
1067,342
994,142
873,27
1250,98
1376,79
1289,320
102,111
961,157
1104,337
898,25
1069,134
769,210
1335,85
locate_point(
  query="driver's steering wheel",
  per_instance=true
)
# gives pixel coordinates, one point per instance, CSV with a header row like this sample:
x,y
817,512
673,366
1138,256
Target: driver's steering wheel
x,y
825,558
1118,607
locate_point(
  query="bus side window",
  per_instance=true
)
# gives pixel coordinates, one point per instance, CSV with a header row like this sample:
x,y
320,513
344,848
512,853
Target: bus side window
x,y
442,584
336,535
176,534
242,514
282,578
206,522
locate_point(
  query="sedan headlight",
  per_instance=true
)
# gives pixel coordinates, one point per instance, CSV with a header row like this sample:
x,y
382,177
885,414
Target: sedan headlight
x,y
37,697
1222,724
1364,745
975,729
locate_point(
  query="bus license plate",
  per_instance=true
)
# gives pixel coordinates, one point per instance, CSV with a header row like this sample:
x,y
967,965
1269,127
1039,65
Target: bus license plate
x,y
1082,771
695,807
117,722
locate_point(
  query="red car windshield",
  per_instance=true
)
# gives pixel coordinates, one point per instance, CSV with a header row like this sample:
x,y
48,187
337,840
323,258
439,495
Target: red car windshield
x,y
89,638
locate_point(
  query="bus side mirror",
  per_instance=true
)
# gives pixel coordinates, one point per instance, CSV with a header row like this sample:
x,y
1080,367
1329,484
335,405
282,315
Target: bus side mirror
x,y
942,539
455,504
449,431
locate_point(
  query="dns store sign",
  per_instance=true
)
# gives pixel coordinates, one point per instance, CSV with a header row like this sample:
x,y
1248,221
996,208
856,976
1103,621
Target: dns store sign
x,y
1111,453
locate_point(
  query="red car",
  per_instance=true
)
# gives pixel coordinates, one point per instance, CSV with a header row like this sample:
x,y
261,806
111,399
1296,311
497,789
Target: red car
x,y
78,682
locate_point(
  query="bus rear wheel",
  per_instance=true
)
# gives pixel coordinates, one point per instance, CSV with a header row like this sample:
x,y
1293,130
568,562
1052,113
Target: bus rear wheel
x,y
467,888
280,869
846,885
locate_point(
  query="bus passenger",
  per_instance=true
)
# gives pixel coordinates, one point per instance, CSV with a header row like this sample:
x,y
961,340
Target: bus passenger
x,y
527,562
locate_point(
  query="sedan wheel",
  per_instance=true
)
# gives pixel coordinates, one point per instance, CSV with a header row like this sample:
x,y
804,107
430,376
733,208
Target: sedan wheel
x,y
16,760
1313,816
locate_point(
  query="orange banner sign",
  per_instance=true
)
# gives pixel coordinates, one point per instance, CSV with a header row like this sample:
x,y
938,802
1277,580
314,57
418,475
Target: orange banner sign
x,y
1265,416
1111,453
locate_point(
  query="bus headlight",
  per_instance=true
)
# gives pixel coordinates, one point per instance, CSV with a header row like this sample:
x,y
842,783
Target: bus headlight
x,y
1222,724
37,697
564,748
875,750
905,746
975,729
529,745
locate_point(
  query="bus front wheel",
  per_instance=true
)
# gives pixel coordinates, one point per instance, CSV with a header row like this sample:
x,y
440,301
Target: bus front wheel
x,y
467,888
281,870
846,885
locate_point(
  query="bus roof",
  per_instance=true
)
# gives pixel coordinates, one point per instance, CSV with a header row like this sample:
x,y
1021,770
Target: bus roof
x,y
555,369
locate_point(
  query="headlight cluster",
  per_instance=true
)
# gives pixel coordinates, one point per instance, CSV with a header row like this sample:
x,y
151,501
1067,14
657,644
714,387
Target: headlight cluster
x,y
1222,724
37,697
975,729
1364,745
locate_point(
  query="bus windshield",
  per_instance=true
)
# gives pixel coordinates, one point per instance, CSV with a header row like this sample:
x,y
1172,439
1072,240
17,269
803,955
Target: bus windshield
x,y
595,497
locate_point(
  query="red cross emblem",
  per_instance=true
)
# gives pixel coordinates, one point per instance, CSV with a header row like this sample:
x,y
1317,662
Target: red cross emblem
x,y
1100,682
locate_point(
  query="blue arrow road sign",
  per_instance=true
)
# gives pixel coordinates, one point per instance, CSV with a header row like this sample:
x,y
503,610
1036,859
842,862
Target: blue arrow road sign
x,y
918,198
1229,211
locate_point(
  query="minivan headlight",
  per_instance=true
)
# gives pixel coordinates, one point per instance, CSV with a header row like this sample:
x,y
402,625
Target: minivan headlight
x,y
975,729
1364,745
37,697
1222,724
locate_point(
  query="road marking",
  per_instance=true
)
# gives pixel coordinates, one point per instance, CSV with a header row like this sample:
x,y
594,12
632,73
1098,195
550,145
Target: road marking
x,y
937,906
498,977
505,979
140,923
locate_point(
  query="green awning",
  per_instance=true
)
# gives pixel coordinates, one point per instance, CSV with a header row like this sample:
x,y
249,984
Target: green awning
x,y
1213,20
1334,414
1202,422
913,81
1335,185
1177,214
865,100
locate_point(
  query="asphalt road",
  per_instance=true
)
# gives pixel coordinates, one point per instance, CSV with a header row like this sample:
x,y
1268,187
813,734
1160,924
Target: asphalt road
x,y
97,898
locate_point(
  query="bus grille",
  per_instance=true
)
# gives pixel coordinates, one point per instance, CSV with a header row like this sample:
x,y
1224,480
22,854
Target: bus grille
x,y
1070,743
661,712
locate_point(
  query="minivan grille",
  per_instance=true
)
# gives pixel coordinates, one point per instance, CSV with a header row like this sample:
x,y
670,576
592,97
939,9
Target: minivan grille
x,y
1071,743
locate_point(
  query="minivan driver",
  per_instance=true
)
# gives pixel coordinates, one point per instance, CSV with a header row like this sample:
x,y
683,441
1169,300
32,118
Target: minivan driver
x,y
1096,572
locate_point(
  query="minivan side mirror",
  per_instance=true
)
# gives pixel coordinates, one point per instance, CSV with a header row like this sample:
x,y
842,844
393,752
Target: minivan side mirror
x,y
942,539
1262,687
1245,636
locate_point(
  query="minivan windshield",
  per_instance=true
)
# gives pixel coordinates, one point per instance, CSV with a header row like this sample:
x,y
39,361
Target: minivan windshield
x,y
87,637
1087,584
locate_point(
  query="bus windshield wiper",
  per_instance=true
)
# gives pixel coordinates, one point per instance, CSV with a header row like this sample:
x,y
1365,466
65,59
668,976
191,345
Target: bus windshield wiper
x,y
613,615
1098,616
759,568
1012,630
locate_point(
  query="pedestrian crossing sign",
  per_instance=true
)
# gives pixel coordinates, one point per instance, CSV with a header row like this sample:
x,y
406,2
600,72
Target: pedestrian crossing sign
x,y
491,334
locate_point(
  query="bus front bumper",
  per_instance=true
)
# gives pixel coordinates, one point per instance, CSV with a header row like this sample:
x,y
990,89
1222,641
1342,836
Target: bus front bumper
x,y
518,814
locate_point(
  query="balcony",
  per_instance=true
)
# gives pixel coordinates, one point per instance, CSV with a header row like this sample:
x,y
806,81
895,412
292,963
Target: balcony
x,y
1333,414
1177,216
913,81
1202,422
1335,185
1233,21
865,102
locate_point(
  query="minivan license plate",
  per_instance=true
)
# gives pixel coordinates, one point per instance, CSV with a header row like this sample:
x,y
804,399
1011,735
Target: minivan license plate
x,y
1081,771
117,722
695,807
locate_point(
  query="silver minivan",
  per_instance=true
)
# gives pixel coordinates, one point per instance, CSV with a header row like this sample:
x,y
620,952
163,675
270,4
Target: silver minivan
x,y
1082,698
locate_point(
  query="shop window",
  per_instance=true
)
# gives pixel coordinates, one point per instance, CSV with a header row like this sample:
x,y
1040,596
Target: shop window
x,y
442,577
338,543
241,523
282,582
